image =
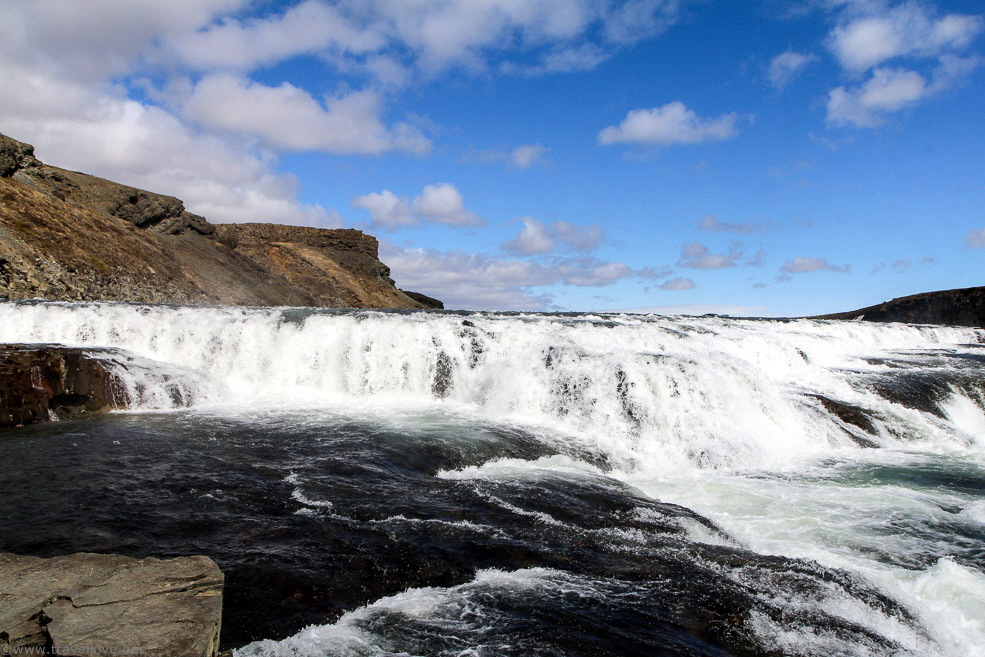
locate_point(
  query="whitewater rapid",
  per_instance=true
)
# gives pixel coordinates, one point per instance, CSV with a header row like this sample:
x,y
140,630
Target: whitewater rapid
x,y
845,443
654,393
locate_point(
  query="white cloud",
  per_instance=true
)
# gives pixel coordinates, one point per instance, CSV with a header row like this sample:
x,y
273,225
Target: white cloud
x,y
525,156
678,284
637,19
801,265
97,39
288,118
538,238
787,66
697,256
104,134
908,29
534,238
243,45
672,123
712,224
975,239
874,34
654,273
888,90
479,282
439,204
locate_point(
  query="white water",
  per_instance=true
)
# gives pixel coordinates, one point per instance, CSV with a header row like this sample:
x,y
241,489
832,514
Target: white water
x,y
653,393
712,413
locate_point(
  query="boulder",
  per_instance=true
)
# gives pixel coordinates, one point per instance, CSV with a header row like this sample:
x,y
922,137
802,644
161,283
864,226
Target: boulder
x,y
102,604
14,156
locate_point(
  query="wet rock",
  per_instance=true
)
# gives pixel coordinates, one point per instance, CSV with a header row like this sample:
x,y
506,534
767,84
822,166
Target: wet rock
x,y
854,416
100,604
38,382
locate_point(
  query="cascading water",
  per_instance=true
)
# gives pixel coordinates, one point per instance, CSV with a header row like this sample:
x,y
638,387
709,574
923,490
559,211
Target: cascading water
x,y
828,477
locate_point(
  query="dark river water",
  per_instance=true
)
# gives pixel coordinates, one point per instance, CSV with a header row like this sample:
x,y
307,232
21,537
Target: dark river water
x,y
440,484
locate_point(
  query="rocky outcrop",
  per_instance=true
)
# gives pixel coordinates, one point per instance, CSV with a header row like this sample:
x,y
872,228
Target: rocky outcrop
x,y
428,302
961,307
100,604
70,236
339,267
41,382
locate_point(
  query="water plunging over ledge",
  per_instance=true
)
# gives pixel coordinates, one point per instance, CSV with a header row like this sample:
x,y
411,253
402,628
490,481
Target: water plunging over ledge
x,y
434,483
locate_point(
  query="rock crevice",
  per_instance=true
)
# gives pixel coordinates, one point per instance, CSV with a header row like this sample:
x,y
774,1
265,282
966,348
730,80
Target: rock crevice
x,y
98,604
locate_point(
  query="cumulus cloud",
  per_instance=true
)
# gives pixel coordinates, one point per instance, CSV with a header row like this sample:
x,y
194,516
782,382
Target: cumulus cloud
x,y
908,29
438,204
698,256
669,124
311,26
97,40
654,273
975,239
288,118
786,66
480,282
97,85
711,224
873,35
678,284
430,36
85,129
802,265
888,90
538,238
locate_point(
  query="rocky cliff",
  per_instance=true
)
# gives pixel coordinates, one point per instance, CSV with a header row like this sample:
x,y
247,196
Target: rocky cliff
x,y
961,307
70,236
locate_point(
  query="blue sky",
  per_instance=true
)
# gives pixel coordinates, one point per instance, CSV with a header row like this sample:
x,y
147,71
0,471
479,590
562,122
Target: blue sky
x,y
751,158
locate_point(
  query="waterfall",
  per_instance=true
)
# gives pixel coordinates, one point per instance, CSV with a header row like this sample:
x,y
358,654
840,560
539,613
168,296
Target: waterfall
x,y
648,391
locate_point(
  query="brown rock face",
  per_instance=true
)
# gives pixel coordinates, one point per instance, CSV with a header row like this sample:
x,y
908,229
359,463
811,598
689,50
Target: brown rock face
x,y
70,236
102,604
39,381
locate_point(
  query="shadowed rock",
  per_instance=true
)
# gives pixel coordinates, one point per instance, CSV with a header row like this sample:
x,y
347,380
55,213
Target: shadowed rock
x,y
961,307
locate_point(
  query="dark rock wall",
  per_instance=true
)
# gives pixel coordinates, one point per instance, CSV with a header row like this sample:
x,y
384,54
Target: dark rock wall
x,y
961,307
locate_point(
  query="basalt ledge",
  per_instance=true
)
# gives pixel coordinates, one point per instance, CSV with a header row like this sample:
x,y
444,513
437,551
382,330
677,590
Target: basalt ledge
x,y
70,236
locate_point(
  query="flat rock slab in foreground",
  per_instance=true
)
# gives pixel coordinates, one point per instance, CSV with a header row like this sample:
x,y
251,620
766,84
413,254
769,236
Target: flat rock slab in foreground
x,y
102,604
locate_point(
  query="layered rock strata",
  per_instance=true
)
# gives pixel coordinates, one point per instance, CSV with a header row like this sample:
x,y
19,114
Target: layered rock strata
x,y
70,236
84,605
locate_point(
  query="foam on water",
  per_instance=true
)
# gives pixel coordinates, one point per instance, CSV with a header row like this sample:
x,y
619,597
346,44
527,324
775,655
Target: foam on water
x,y
650,392
737,420
850,515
